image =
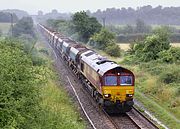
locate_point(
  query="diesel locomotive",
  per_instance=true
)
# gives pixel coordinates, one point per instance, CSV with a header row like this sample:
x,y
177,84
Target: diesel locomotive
x,y
111,85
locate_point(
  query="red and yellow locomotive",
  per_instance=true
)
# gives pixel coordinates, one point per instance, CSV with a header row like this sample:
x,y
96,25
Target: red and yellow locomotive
x,y
110,84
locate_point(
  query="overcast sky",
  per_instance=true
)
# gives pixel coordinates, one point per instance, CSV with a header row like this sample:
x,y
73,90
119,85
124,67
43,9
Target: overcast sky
x,y
32,6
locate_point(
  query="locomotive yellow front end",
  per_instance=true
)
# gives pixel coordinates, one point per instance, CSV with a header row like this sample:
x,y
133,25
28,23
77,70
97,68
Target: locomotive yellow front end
x,y
118,89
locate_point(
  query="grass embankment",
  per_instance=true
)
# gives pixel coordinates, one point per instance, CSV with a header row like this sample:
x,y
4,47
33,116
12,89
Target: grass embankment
x,y
59,111
159,98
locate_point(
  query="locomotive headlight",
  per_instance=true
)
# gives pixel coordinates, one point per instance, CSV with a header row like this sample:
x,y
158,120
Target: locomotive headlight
x,y
129,95
107,95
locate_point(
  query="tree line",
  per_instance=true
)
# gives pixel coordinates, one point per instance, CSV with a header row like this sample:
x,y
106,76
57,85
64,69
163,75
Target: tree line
x,y
114,16
158,15
20,13
8,17
130,33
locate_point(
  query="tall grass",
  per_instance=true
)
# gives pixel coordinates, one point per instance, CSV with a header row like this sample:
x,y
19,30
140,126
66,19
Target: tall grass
x,y
58,110
157,88
158,110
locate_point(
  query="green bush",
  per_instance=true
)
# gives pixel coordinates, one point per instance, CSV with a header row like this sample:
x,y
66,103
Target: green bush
x,y
85,25
170,56
170,76
103,39
45,51
127,59
165,56
113,50
152,46
38,61
149,49
19,99
138,47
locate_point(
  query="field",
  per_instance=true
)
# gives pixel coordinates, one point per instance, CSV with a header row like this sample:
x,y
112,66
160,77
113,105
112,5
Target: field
x,y
175,44
4,27
125,46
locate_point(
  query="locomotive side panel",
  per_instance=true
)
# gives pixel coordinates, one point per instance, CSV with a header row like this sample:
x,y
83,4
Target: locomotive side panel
x,y
92,76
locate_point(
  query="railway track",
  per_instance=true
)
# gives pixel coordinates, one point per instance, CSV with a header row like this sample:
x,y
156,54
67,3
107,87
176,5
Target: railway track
x,y
121,121
142,121
131,120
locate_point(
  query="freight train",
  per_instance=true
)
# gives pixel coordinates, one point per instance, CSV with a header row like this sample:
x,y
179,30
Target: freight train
x,y
111,85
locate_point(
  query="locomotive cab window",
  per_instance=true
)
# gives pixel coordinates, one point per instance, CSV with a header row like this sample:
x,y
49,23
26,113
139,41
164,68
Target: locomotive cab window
x,y
126,80
110,80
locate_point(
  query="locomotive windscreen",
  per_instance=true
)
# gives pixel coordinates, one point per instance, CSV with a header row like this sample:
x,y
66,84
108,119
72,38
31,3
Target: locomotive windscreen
x,y
125,80
110,81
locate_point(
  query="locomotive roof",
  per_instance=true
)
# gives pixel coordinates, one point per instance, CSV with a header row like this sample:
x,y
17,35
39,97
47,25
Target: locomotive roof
x,y
98,62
